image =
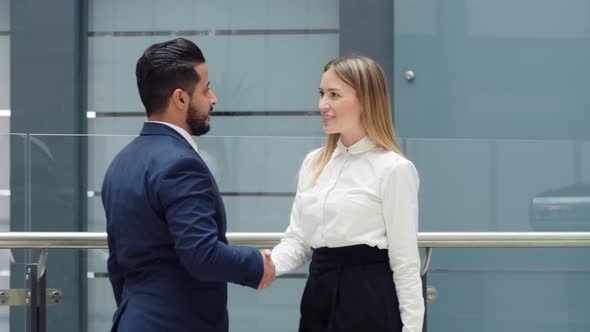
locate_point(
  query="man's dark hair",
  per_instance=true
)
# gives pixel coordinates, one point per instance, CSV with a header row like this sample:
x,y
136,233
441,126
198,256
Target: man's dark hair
x,y
165,67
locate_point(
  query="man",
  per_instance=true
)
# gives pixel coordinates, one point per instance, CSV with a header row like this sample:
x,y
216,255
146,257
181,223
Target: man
x,y
169,261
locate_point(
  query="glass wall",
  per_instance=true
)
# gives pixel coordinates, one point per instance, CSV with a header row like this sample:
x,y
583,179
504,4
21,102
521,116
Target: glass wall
x,y
4,66
4,111
4,149
492,69
265,59
495,117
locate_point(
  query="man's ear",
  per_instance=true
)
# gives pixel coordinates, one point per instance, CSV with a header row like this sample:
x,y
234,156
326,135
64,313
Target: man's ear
x,y
180,99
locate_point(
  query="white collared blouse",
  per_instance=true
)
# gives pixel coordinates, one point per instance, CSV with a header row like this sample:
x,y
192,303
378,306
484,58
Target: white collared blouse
x,y
364,195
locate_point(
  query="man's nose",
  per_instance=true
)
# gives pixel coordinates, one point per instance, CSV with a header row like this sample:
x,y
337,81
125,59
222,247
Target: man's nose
x,y
213,98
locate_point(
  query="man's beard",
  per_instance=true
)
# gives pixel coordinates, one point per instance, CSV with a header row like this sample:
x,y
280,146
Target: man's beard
x,y
198,125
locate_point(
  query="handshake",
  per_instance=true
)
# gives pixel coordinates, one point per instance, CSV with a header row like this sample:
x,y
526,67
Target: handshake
x,y
269,274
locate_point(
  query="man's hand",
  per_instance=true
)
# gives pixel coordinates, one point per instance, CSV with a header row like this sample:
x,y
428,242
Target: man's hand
x,y
269,270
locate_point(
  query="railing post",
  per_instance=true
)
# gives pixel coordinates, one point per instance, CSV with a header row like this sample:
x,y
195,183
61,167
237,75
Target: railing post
x,y
42,309
35,299
36,295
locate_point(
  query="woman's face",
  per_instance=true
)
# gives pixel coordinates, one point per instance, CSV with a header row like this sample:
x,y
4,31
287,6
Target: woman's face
x,y
340,109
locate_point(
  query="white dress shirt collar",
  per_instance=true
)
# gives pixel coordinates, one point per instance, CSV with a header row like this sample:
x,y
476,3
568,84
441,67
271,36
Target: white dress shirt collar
x,y
363,145
182,132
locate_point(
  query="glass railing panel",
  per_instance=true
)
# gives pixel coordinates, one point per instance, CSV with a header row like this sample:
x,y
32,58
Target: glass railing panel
x,y
257,179
100,302
275,309
13,217
466,185
13,181
505,186
502,185
501,289
58,203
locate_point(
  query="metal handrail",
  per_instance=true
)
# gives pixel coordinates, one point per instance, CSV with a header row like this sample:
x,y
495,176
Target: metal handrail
x,y
98,240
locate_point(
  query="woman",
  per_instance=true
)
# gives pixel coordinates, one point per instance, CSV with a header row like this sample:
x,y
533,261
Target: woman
x,y
356,213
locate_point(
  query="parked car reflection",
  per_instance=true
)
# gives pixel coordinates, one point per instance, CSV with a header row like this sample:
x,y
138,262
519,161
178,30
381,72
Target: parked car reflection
x,y
563,209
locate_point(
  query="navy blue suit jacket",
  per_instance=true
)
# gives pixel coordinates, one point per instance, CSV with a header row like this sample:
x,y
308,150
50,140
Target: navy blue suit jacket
x,y
169,261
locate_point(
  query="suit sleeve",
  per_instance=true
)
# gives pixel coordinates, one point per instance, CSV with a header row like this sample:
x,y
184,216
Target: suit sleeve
x,y
188,195
116,275
115,272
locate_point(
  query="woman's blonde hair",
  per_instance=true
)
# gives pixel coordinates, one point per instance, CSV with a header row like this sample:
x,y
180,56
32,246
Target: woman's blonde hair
x,y
367,79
